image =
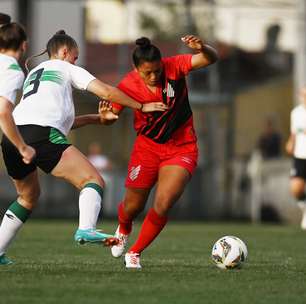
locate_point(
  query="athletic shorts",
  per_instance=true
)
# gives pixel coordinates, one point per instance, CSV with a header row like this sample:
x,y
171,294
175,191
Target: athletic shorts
x,y
298,168
49,144
148,157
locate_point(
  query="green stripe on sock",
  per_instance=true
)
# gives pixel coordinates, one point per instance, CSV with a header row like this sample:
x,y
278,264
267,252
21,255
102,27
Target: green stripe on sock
x,y
98,188
21,212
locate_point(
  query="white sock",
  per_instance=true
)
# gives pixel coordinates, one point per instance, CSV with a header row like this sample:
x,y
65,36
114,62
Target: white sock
x,y
89,206
8,230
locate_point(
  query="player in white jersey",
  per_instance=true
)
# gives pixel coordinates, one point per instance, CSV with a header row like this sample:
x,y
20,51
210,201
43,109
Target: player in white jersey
x,y
44,117
13,43
296,146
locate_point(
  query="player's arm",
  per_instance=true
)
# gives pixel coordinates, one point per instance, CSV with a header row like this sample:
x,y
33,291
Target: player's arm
x,y
206,54
105,116
290,144
112,94
10,130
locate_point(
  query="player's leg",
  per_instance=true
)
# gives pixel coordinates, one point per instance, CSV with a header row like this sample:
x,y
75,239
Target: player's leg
x,y
28,190
142,175
133,203
75,168
297,188
171,184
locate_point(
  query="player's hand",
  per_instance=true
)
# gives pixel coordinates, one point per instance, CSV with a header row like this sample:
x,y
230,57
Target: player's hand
x,y
193,42
28,154
105,111
154,107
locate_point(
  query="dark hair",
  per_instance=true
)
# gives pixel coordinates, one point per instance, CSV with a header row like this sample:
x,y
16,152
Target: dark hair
x,y
12,35
145,51
59,39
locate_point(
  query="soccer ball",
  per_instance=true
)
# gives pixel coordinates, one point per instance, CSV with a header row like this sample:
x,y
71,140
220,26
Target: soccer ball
x,y
229,252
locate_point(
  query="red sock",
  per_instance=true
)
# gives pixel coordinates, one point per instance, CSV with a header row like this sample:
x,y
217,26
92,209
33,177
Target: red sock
x,y
125,222
152,225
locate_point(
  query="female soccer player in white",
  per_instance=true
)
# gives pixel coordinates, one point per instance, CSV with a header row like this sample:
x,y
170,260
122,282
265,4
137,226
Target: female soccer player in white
x,y
296,146
44,117
13,43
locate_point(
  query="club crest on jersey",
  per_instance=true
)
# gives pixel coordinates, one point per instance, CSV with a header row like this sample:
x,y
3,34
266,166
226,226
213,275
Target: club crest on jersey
x,y
170,91
134,172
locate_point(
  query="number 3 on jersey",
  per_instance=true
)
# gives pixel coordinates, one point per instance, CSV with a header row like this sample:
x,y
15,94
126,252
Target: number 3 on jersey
x,y
34,79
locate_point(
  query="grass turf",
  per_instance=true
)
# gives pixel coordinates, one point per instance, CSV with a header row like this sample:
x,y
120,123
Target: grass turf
x,y
177,268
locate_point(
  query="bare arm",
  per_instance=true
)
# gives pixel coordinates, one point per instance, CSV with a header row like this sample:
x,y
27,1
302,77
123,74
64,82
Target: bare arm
x,y
290,144
105,91
206,54
10,130
84,120
107,118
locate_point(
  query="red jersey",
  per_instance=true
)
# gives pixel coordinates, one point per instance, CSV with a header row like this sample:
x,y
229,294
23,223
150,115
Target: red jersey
x,y
176,123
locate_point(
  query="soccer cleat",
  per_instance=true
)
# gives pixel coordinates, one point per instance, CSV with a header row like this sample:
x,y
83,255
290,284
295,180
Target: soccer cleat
x,y
4,260
94,236
118,249
132,260
302,206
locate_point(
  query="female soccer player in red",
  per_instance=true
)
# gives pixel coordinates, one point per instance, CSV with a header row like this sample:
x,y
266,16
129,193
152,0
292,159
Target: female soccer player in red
x,y
165,151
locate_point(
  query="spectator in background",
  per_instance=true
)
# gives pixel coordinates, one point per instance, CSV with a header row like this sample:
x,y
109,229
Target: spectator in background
x,y
296,146
99,161
269,142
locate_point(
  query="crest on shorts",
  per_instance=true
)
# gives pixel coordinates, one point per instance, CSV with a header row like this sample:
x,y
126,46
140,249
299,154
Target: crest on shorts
x,y
186,159
134,172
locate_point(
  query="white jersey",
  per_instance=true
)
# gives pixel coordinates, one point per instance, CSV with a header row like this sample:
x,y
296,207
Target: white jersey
x,y
47,95
11,77
298,128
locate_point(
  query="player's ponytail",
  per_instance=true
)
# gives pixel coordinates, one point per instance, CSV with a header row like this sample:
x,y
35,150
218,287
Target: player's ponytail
x,y
12,34
145,51
26,63
58,40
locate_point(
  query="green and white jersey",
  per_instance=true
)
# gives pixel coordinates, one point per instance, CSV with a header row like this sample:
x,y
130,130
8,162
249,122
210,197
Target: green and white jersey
x,y
47,95
11,77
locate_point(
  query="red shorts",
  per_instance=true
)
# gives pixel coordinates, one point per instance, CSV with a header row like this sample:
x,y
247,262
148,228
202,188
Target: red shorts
x,y
148,157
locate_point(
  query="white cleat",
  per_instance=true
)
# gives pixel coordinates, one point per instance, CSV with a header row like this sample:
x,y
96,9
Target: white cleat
x,y
132,260
302,206
118,249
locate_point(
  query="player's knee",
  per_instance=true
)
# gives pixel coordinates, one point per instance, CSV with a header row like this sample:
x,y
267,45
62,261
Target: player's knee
x,y
92,178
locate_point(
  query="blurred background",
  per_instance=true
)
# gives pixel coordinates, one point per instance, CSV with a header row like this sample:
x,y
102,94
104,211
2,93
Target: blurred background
x,y
241,105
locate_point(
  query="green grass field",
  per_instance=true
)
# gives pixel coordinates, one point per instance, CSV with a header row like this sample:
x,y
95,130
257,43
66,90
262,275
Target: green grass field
x,y
177,268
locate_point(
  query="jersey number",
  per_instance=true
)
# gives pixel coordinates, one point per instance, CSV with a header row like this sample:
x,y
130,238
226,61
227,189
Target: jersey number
x,y
35,82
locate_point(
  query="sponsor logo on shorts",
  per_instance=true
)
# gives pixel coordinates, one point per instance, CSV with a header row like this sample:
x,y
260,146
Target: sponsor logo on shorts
x,y
186,160
134,172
